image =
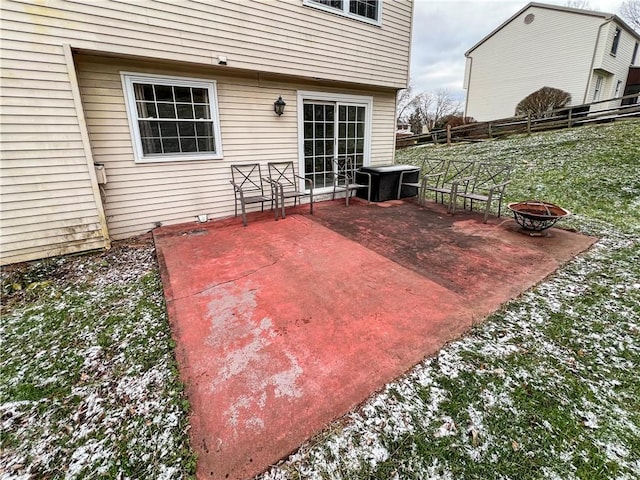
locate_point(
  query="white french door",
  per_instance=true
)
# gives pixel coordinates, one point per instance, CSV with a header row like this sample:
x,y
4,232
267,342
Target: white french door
x,y
333,129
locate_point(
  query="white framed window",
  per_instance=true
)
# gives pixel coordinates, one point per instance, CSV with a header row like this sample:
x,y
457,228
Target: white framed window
x,y
172,118
369,11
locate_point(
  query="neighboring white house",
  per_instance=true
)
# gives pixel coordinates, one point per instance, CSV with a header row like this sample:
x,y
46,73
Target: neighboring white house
x,y
166,95
585,53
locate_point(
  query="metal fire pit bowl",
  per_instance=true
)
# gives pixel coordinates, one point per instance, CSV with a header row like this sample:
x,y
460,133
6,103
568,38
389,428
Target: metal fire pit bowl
x,y
535,215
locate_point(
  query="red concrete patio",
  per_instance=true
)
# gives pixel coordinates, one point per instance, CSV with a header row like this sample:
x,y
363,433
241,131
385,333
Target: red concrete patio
x,y
282,327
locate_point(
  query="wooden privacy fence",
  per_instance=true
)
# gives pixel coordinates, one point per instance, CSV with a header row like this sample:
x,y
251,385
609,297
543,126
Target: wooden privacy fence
x,y
565,117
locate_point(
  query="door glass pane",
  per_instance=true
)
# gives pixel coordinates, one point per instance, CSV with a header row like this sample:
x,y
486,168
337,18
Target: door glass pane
x,y
342,148
308,149
329,128
308,112
329,113
318,143
328,148
308,129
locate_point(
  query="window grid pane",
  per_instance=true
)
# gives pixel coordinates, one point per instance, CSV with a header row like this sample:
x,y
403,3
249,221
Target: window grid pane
x,y
190,129
364,8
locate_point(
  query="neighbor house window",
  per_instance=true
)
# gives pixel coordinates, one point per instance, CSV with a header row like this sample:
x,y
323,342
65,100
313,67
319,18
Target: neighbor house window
x,y
172,118
618,85
598,88
635,54
616,41
366,10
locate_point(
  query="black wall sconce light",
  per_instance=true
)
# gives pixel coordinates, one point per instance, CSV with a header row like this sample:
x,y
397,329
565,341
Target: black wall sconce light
x,y
278,106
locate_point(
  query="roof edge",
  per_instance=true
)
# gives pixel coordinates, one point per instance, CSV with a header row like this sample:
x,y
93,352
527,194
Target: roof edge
x,y
605,16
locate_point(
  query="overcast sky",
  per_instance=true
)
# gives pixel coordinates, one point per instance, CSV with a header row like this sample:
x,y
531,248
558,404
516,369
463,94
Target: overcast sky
x,y
443,30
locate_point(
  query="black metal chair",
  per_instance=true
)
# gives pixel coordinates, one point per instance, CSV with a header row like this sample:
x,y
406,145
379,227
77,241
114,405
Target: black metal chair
x,y
284,176
349,178
248,188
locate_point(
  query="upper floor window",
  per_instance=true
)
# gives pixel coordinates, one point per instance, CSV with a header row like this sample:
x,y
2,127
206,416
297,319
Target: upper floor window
x,y
365,10
635,54
172,118
616,41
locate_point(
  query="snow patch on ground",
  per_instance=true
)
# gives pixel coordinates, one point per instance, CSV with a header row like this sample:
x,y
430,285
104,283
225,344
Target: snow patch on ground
x,y
417,402
92,356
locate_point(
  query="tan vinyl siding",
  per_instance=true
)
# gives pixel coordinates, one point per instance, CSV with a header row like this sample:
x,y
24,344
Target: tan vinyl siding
x,y
47,205
304,41
555,50
50,200
139,195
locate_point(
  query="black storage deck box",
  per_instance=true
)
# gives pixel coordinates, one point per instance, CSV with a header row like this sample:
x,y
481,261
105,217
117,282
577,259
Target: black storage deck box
x,y
385,180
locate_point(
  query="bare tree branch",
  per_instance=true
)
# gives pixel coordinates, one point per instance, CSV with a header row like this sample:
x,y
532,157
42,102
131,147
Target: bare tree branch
x,y
428,109
404,103
444,106
630,11
423,103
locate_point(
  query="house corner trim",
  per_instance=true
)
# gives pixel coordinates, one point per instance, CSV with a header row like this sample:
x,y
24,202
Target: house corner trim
x,y
86,143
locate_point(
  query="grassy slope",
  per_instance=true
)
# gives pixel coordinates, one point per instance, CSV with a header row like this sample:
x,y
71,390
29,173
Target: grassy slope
x,y
592,171
548,386
88,383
